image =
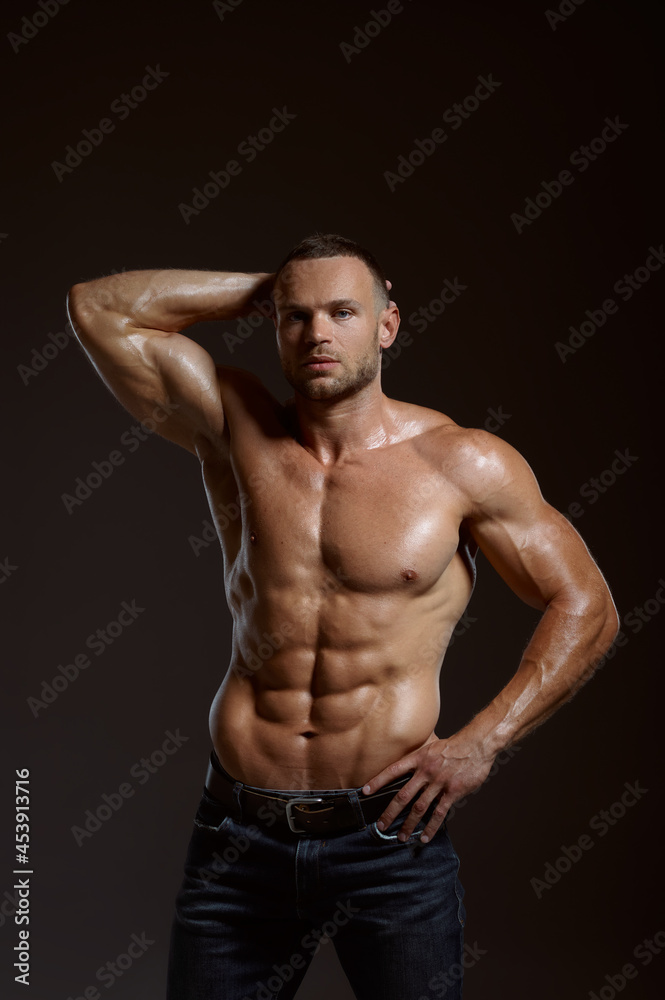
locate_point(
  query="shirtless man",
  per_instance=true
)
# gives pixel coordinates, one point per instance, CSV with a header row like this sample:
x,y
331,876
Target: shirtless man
x,y
349,524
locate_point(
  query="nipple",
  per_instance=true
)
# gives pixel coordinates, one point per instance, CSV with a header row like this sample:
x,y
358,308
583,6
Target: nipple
x,y
409,574
252,537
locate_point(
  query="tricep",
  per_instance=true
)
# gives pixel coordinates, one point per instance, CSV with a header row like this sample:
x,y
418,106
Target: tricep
x,y
158,376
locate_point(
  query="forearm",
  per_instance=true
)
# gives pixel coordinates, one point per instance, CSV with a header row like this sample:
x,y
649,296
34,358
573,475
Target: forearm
x,y
561,655
172,299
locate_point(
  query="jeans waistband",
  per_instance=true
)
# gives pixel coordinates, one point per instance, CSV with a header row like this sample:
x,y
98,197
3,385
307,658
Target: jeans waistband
x,y
216,763
338,808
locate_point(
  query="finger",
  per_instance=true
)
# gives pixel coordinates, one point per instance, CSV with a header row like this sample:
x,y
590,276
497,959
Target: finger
x,y
435,821
390,773
420,807
399,801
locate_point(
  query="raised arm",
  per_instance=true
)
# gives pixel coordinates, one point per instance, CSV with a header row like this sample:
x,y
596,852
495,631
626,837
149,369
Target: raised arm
x,y
129,326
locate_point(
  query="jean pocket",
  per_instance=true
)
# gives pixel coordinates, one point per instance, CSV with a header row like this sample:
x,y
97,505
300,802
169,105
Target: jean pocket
x,y
461,909
389,836
211,815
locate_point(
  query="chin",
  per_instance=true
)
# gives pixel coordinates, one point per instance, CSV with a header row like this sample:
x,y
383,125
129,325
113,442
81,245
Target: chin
x,y
315,387
331,387
321,388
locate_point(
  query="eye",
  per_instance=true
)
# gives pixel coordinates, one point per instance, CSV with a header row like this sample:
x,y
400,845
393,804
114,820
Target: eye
x,y
295,316
343,311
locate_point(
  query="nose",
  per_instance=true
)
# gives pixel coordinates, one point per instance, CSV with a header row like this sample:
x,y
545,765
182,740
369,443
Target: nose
x,y
318,330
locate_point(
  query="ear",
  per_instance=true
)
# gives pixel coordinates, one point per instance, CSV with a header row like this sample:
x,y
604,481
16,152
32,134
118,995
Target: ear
x,y
388,325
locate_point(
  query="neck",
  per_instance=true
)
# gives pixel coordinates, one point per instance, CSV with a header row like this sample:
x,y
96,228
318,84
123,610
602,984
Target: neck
x,y
332,429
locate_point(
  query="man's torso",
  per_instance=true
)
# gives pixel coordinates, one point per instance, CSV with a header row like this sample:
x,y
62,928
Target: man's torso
x,y
344,582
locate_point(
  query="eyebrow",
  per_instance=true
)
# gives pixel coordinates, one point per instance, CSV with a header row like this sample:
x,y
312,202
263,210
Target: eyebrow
x,y
334,304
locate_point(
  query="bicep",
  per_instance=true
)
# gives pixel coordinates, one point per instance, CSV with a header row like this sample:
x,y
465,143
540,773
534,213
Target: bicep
x,y
529,543
163,377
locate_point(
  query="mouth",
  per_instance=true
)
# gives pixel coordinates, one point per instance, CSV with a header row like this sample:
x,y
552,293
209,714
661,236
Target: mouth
x,y
320,363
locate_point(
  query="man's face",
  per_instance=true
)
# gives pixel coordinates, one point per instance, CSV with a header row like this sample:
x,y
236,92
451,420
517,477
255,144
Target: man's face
x,y
327,308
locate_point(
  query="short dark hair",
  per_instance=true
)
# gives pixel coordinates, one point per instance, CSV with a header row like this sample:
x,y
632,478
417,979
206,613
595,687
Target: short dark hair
x,y
321,245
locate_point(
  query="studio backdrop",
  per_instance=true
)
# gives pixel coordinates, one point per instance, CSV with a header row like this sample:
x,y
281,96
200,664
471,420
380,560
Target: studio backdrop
x,y
504,164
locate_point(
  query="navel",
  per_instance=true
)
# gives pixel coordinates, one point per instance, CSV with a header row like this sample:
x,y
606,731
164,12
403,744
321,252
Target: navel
x,y
409,575
308,735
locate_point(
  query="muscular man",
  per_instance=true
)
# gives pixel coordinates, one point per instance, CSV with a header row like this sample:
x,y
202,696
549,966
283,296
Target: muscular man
x,y
349,524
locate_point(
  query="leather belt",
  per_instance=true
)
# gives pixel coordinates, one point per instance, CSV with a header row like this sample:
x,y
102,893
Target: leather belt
x,y
312,813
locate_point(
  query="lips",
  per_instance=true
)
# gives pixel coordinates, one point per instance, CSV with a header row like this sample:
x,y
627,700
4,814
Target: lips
x,y
320,362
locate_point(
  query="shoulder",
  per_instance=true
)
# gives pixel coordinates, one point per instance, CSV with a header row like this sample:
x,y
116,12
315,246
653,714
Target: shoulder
x,y
419,423
493,476
488,471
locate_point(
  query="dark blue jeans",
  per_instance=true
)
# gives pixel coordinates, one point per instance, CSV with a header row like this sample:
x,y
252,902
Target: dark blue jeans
x,y
257,902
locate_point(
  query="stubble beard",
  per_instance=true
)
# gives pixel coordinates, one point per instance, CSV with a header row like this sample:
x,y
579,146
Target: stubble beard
x,y
315,385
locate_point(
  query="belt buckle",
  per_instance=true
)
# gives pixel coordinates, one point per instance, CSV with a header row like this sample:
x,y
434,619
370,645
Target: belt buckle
x,y
289,817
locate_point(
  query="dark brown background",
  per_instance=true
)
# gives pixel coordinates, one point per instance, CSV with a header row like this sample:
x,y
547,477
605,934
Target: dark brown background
x,y
494,347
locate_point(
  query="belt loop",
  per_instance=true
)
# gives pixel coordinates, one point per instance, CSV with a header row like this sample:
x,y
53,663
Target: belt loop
x,y
235,808
237,805
357,809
